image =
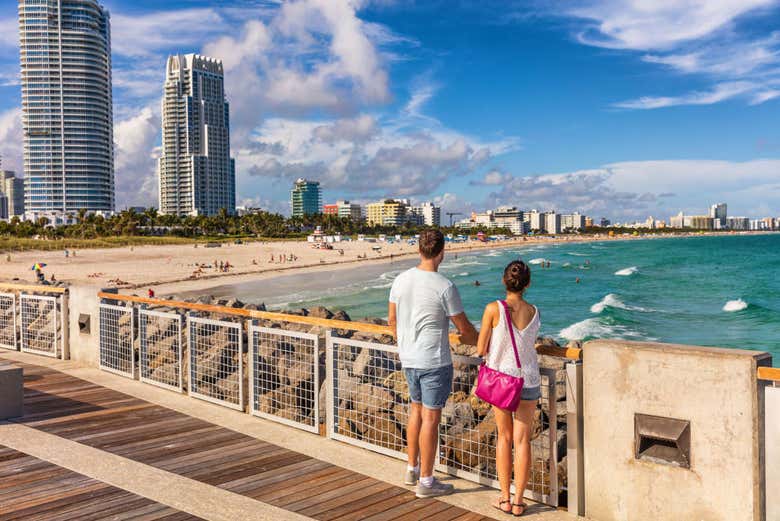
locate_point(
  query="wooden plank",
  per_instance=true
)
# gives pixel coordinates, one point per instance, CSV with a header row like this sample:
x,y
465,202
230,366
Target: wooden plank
x,y
769,373
33,288
395,512
357,504
370,505
430,508
189,447
52,493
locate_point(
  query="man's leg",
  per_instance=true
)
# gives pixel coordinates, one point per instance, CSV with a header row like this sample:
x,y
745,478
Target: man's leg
x,y
413,434
436,385
429,440
413,427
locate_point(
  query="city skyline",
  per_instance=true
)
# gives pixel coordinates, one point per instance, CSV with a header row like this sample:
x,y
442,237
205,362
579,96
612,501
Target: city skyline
x,y
378,109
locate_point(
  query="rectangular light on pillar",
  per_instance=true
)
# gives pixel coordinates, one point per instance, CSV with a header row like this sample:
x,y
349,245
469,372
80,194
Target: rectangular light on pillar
x,y
666,441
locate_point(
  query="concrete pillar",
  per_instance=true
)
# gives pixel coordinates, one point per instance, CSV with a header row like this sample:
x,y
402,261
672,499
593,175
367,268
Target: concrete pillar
x,y
772,441
720,478
84,304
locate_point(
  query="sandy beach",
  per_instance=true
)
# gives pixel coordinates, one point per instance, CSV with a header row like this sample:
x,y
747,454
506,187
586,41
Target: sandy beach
x,y
170,269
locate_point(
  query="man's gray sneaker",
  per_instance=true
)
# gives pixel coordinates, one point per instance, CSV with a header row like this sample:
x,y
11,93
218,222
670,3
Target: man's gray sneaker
x,y
411,477
436,489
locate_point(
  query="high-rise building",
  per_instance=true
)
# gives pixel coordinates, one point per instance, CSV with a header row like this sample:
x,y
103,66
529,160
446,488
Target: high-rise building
x,y
552,223
196,174
573,221
347,210
65,48
12,188
428,214
535,220
390,212
719,212
306,198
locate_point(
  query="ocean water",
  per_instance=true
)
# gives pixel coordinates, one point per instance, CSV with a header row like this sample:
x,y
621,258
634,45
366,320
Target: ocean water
x,y
712,291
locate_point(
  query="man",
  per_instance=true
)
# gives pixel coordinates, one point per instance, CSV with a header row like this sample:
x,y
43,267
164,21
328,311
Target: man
x,y
422,303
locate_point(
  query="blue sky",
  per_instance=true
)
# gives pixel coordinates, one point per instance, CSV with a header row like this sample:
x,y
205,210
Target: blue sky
x,y
617,109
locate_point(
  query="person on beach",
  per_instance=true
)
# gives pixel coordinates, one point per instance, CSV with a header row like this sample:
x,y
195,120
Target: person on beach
x,y
495,344
422,303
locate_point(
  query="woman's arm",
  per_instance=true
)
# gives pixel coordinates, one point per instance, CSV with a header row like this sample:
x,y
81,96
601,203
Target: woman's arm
x,y
488,317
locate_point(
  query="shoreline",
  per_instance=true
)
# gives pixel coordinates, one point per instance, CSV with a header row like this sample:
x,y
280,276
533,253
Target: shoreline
x,y
176,269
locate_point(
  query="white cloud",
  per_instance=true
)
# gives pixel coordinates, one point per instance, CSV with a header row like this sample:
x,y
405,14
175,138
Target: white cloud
x,y
702,37
635,189
358,129
657,24
146,35
11,139
9,33
136,158
720,92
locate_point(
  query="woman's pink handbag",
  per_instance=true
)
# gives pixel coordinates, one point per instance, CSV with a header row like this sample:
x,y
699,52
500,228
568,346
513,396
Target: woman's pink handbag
x,y
497,388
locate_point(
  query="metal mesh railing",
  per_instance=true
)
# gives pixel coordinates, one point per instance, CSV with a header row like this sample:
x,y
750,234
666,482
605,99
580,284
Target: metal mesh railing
x,y
468,435
160,349
39,325
369,398
284,376
116,340
216,361
8,321
369,407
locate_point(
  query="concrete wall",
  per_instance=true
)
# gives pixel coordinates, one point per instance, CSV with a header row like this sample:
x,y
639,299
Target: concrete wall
x,y
772,438
715,389
84,347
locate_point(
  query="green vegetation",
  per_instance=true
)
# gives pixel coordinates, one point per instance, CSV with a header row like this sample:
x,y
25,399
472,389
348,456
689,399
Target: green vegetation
x,y
129,228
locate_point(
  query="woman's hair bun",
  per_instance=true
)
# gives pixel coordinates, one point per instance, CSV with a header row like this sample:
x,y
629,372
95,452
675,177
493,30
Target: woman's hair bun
x,y
517,276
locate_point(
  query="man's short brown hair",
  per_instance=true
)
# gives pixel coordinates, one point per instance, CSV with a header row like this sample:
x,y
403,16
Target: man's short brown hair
x,y
431,243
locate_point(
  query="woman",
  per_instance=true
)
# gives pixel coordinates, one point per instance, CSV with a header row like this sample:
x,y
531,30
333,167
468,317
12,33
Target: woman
x,y
495,344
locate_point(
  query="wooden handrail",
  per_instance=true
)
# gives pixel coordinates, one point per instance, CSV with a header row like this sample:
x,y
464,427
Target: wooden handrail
x,y
363,327
33,288
769,373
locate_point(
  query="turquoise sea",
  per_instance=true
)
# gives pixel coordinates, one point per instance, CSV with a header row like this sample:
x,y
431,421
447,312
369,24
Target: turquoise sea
x,y
712,291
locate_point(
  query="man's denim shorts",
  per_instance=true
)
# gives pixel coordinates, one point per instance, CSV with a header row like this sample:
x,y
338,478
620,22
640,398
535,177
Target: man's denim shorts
x,y
431,387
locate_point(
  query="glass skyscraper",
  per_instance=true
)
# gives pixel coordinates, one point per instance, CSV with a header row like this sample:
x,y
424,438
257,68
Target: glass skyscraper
x,y
66,105
196,173
305,198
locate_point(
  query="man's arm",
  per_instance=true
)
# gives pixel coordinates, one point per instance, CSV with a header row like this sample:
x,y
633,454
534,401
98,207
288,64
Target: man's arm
x,y
392,319
468,335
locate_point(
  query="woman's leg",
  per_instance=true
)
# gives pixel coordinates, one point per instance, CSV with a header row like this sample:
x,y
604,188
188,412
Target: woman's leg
x,y
504,455
523,425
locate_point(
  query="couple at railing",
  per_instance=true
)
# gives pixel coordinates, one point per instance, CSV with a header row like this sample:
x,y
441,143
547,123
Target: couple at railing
x,y
422,304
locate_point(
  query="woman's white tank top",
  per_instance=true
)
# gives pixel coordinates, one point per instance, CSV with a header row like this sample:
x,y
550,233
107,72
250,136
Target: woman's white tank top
x,y
500,355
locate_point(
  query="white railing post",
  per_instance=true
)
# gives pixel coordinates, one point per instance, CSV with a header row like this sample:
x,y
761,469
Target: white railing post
x,y
329,407
574,439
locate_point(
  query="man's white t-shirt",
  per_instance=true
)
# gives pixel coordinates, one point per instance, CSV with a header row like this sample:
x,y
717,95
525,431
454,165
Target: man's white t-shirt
x,y
425,301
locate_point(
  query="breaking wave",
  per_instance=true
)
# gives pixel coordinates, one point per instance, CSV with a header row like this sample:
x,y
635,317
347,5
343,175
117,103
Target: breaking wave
x,y
627,272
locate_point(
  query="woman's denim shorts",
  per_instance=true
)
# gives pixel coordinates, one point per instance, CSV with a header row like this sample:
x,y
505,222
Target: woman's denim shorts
x,y
531,393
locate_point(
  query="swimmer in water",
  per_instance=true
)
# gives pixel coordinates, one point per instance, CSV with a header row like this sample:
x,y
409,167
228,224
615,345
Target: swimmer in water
x,y
477,283
578,280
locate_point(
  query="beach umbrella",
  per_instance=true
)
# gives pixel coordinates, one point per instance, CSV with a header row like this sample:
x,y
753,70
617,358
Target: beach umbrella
x,y
38,266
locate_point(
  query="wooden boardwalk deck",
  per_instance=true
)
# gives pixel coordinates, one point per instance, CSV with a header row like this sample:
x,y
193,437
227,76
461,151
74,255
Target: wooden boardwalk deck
x,y
123,425
35,490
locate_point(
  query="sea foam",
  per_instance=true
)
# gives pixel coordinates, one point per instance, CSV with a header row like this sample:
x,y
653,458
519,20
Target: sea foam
x,y
613,301
735,305
540,260
627,272
596,328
